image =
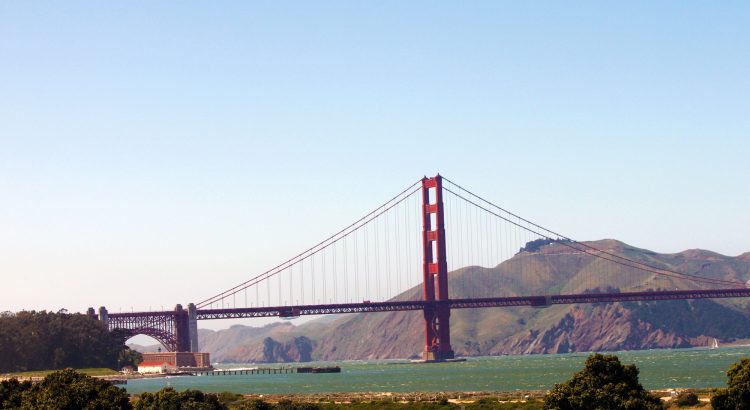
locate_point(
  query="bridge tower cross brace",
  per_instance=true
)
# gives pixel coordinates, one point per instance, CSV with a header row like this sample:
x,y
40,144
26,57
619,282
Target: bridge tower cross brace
x,y
435,272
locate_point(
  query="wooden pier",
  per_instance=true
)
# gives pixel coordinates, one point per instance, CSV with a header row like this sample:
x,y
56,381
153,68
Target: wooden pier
x,y
266,370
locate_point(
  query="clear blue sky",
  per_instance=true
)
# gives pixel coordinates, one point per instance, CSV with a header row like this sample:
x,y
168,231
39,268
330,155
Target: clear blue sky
x,y
158,153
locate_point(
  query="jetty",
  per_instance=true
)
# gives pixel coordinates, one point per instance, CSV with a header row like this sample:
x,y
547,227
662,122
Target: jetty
x,y
266,370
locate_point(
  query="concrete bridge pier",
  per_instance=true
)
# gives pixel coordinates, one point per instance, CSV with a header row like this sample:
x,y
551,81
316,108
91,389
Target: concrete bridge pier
x,y
193,327
181,326
104,315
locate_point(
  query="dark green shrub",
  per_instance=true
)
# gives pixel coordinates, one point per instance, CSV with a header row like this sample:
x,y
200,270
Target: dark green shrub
x,y
68,389
11,393
686,398
285,404
737,394
255,404
306,406
170,399
226,398
604,383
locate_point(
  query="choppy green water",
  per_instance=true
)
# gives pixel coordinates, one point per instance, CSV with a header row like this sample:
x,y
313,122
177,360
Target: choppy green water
x,y
660,369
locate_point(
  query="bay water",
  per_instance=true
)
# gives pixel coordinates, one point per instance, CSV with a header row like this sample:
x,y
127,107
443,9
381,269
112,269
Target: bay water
x,y
659,369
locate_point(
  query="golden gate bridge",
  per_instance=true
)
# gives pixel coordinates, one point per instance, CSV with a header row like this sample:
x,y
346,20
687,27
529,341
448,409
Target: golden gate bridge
x,y
398,258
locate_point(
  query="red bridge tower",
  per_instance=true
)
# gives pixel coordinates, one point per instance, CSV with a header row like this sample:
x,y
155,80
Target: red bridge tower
x,y
435,272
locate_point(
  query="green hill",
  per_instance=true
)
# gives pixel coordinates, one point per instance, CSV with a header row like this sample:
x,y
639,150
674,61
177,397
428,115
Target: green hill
x,y
549,269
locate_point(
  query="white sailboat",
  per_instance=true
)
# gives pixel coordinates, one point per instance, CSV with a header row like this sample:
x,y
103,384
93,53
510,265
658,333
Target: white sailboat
x,y
715,344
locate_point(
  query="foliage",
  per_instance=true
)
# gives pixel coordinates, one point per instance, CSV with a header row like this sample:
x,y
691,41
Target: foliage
x,y
442,404
68,389
536,244
128,357
97,371
170,399
686,398
737,394
255,404
488,403
11,393
283,404
604,383
46,340
228,398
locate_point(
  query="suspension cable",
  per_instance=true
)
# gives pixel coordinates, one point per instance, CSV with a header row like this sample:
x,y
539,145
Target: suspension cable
x,y
325,243
612,257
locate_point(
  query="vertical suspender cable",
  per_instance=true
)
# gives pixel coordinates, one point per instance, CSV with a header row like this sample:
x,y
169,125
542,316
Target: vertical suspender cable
x,y
346,273
399,266
280,302
356,268
378,271
367,262
312,276
302,282
387,258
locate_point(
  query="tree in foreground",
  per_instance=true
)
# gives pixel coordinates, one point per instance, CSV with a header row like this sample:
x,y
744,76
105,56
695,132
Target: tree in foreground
x,y
737,394
604,383
11,393
68,389
170,399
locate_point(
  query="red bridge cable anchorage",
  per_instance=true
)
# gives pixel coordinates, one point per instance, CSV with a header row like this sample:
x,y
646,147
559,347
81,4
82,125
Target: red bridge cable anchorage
x,y
324,243
580,243
623,261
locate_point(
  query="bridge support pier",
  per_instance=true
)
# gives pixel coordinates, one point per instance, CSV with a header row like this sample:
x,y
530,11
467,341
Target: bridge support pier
x,y
182,329
435,273
193,327
104,315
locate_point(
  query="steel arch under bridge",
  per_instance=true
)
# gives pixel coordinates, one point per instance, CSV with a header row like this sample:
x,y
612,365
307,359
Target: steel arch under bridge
x,y
173,329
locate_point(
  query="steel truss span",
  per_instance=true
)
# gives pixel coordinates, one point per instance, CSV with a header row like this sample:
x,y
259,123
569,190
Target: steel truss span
x,y
167,327
159,325
533,301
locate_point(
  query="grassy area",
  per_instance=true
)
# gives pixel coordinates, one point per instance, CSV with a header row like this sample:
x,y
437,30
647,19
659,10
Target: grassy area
x,y
357,401
101,371
481,404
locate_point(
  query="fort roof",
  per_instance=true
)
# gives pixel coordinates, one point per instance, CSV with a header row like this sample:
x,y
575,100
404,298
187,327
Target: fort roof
x,y
152,363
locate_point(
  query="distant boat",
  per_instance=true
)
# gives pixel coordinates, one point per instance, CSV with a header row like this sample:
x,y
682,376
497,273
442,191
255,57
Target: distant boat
x,y
715,345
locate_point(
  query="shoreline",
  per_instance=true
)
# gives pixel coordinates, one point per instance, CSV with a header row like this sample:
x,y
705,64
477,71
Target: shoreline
x,y
510,376
456,397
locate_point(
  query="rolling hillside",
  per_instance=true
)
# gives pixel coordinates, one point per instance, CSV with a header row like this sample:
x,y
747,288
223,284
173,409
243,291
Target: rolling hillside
x,y
496,331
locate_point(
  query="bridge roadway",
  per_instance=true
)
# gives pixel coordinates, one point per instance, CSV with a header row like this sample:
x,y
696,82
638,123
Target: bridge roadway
x,y
533,301
177,329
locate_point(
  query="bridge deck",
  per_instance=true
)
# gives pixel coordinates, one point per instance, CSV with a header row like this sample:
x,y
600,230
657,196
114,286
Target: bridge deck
x,y
534,301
